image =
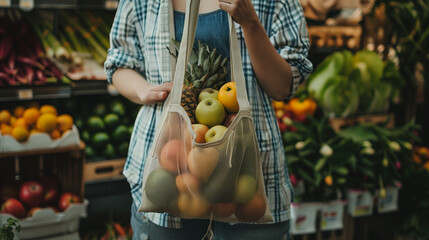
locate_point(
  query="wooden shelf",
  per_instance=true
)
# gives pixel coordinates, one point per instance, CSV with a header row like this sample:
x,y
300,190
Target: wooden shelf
x,y
335,36
104,170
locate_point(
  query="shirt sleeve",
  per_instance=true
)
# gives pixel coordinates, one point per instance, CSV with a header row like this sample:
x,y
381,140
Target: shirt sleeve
x,y
289,36
125,46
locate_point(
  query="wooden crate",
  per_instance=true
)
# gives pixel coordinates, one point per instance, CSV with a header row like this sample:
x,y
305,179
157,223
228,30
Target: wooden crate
x,y
65,163
104,170
341,123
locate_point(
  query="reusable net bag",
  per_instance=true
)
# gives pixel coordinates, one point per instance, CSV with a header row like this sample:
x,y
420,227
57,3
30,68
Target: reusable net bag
x,y
221,179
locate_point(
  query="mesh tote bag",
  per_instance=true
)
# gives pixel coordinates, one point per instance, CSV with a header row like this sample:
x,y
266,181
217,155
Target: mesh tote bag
x,y
220,179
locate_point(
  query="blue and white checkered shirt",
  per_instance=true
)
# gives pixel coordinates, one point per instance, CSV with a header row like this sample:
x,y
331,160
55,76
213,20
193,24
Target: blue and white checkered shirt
x,y
138,39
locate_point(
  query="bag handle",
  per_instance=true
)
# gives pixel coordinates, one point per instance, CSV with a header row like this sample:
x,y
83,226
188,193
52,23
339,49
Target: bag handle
x,y
237,74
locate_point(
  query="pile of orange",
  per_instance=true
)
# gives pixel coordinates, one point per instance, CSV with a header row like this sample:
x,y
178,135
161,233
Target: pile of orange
x,y
22,121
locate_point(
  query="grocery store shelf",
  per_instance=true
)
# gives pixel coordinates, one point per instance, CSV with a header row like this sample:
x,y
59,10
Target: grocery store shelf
x,y
79,147
17,93
41,92
89,87
64,4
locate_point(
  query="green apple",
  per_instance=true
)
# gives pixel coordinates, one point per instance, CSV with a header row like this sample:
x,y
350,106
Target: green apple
x,y
215,133
210,112
246,188
208,93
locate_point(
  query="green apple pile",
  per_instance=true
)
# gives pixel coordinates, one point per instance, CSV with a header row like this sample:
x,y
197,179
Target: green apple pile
x,y
197,181
106,128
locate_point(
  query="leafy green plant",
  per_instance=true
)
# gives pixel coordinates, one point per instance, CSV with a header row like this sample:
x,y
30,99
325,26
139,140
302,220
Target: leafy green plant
x,y
6,230
320,158
345,84
384,155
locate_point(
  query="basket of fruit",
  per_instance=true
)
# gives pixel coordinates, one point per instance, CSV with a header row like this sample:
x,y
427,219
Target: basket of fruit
x,y
33,128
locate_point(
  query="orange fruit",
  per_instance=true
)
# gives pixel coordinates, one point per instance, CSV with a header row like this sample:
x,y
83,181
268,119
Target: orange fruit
x,y
5,116
20,122
5,129
55,134
64,122
48,109
12,120
228,97
426,165
187,182
253,210
34,130
278,105
47,122
31,115
193,205
18,111
20,134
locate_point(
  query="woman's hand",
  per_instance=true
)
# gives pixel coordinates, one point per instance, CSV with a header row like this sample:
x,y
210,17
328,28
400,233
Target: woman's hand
x,y
155,93
241,11
133,86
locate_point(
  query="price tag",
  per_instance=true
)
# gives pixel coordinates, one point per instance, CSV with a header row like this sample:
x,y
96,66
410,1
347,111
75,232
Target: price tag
x,y
25,94
5,3
26,5
111,4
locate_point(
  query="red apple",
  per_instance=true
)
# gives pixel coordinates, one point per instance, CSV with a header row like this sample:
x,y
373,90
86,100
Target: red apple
x,y
8,191
210,112
208,93
224,210
215,133
13,207
66,199
200,131
229,119
31,194
32,211
50,195
173,156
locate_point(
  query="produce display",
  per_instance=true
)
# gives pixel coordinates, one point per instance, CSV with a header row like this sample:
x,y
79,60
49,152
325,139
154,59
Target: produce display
x,y
345,84
22,59
80,46
106,127
25,199
22,122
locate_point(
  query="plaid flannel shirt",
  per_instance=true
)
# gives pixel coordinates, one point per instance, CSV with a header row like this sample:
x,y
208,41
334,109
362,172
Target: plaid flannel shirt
x,y
138,40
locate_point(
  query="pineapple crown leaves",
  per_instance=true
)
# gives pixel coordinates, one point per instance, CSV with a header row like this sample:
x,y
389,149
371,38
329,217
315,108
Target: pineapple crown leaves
x,y
205,69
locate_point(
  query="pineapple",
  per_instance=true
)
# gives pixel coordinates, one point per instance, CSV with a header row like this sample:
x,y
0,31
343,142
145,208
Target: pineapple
x,y
205,69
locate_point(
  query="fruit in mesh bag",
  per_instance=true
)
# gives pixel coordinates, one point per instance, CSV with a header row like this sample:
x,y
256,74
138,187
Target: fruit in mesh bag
x,y
160,188
205,69
253,210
